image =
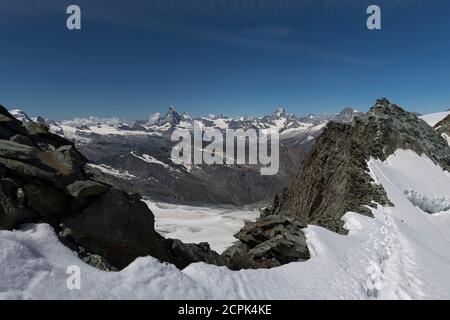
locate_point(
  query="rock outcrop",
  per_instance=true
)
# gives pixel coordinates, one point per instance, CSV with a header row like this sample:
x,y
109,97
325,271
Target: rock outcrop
x,y
335,178
43,179
443,126
269,242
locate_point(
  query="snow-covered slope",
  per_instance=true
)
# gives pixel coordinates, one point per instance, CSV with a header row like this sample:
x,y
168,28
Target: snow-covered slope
x,y
20,115
199,224
113,172
401,253
433,118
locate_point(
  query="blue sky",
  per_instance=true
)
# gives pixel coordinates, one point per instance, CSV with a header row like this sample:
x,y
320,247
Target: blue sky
x,y
133,58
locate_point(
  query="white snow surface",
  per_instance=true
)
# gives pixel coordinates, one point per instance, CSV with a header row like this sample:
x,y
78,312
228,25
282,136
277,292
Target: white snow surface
x,y
401,253
433,118
149,159
113,172
195,224
20,115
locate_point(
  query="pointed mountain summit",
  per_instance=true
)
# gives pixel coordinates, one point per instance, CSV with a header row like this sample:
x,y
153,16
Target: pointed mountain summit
x,y
171,117
280,112
347,115
20,115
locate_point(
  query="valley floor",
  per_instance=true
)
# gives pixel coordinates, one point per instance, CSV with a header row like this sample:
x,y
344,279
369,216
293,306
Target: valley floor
x,y
401,253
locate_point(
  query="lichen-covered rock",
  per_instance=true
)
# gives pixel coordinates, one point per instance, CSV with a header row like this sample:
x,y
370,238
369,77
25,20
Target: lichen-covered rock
x,y
269,242
86,188
118,227
46,200
186,253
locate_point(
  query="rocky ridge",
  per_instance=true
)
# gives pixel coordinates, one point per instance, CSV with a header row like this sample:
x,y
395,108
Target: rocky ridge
x,y
335,179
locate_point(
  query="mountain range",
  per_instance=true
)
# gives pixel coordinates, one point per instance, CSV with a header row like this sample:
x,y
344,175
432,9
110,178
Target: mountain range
x,y
84,128
136,154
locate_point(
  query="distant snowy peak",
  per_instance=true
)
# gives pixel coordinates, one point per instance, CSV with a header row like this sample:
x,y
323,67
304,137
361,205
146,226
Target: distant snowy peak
x,y
20,115
347,115
280,112
93,121
154,118
172,117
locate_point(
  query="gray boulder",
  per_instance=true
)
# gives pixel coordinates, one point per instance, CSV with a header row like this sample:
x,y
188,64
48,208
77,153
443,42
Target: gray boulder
x,y
118,227
186,253
86,188
46,200
12,206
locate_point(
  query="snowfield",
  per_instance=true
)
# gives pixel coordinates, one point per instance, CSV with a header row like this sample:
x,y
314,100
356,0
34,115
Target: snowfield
x,y
199,224
433,118
401,253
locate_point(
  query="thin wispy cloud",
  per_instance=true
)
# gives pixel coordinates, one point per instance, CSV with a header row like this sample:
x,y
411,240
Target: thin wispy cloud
x,y
198,19
178,8
265,32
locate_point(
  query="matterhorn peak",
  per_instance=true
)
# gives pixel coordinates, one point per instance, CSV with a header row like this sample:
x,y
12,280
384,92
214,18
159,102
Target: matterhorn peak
x,y
171,117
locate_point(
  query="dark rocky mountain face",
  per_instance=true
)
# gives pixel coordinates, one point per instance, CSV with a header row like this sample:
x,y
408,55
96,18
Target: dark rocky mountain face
x,y
152,173
172,118
335,177
45,179
333,180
